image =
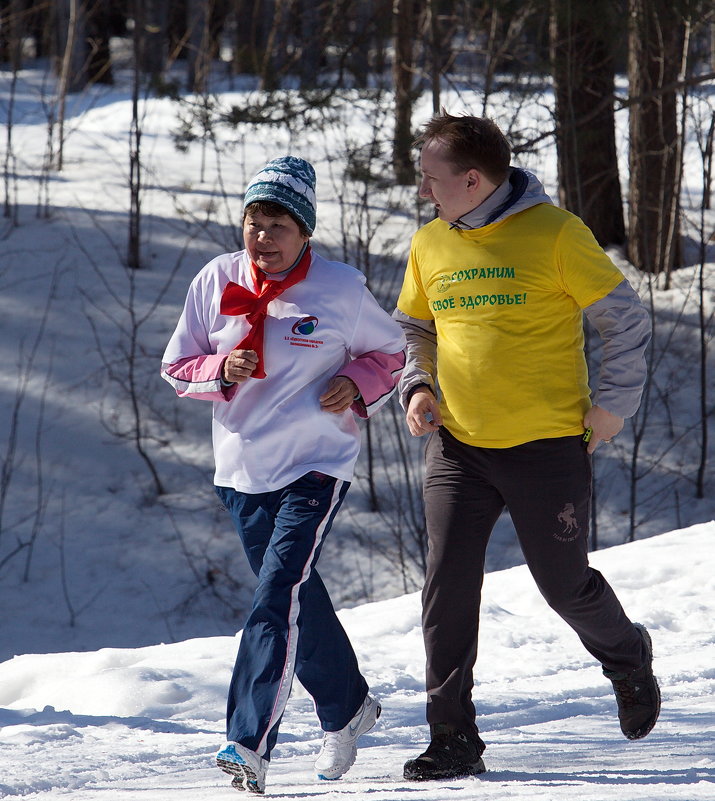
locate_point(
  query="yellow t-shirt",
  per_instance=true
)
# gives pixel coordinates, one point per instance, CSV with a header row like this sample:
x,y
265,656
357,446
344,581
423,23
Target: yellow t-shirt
x,y
506,300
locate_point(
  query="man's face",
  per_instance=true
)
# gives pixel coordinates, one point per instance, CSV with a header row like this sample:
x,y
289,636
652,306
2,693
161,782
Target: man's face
x,y
452,192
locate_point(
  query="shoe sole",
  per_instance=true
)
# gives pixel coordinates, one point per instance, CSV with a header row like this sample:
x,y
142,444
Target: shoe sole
x,y
360,732
243,777
639,734
419,773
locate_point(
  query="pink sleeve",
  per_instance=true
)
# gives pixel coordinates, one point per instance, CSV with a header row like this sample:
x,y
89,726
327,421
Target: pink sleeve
x,y
376,375
199,377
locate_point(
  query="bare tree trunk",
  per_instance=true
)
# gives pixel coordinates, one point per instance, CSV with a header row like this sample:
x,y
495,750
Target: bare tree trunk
x,y
68,32
199,46
252,23
311,42
383,17
154,39
10,210
178,35
71,33
708,171
656,38
707,154
99,59
12,30
639,421
492,56
205,22
242,58
134,260
274,56
584,71
672,242
402,72
703,389
508,25
40,27
359,63
436,57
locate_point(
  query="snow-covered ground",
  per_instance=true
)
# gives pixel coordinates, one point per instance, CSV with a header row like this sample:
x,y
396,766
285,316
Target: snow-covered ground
x,y
145,723
84,535
97,567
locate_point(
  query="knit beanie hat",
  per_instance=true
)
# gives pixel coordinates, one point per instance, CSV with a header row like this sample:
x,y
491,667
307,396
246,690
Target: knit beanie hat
x,y
290,182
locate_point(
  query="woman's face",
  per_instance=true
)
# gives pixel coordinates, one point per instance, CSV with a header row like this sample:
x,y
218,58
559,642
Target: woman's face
x,y
273,243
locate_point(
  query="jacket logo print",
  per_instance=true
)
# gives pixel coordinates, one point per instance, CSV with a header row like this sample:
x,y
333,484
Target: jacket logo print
x,y
305,326
302,333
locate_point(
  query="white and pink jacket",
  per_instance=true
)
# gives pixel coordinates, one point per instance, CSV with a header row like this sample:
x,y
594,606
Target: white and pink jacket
x,y
268,432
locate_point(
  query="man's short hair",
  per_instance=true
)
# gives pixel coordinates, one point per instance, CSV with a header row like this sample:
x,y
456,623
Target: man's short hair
x,y
471,142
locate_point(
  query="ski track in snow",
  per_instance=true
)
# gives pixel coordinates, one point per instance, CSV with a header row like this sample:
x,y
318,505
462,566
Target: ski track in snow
x,y
145,723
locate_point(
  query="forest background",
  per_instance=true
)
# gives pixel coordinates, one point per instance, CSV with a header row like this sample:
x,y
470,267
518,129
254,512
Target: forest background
x,y
129,132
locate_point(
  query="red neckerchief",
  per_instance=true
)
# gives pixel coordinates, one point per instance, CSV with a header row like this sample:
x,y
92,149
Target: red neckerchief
x,y
237,300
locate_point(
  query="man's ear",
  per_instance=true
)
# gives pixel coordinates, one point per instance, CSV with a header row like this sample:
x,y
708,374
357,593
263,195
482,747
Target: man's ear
x,y
474,179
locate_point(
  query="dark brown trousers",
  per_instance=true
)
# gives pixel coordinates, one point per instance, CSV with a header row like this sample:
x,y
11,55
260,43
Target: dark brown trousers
x,y
546,486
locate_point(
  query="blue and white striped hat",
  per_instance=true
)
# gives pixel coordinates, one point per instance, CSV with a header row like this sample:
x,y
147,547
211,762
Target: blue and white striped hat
x,y
290,182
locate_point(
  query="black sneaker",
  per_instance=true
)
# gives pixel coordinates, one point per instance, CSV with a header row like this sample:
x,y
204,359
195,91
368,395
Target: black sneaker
x,y
637,695
450,755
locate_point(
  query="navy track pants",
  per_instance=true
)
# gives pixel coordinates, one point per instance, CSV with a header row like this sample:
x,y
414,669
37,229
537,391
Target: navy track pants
x,y
292,627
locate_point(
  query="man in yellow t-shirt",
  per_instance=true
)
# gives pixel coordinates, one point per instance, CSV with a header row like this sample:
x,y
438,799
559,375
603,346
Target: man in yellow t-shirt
x,y
492,306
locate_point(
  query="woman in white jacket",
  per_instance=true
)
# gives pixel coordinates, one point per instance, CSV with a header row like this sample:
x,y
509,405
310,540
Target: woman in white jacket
x,y
289,347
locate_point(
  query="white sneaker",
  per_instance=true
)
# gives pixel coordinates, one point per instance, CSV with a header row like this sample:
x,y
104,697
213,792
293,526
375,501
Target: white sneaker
x,y
340,747
246,767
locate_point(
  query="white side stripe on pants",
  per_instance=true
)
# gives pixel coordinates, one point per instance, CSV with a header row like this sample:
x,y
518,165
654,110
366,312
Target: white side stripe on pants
x,y
286,681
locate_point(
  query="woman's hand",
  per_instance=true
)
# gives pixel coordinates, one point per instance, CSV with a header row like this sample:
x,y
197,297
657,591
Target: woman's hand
x,y
239,365
339,395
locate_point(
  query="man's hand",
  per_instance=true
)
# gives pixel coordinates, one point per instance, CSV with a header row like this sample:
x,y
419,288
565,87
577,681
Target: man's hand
x,y
339,395
423,415
239,365
604,426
